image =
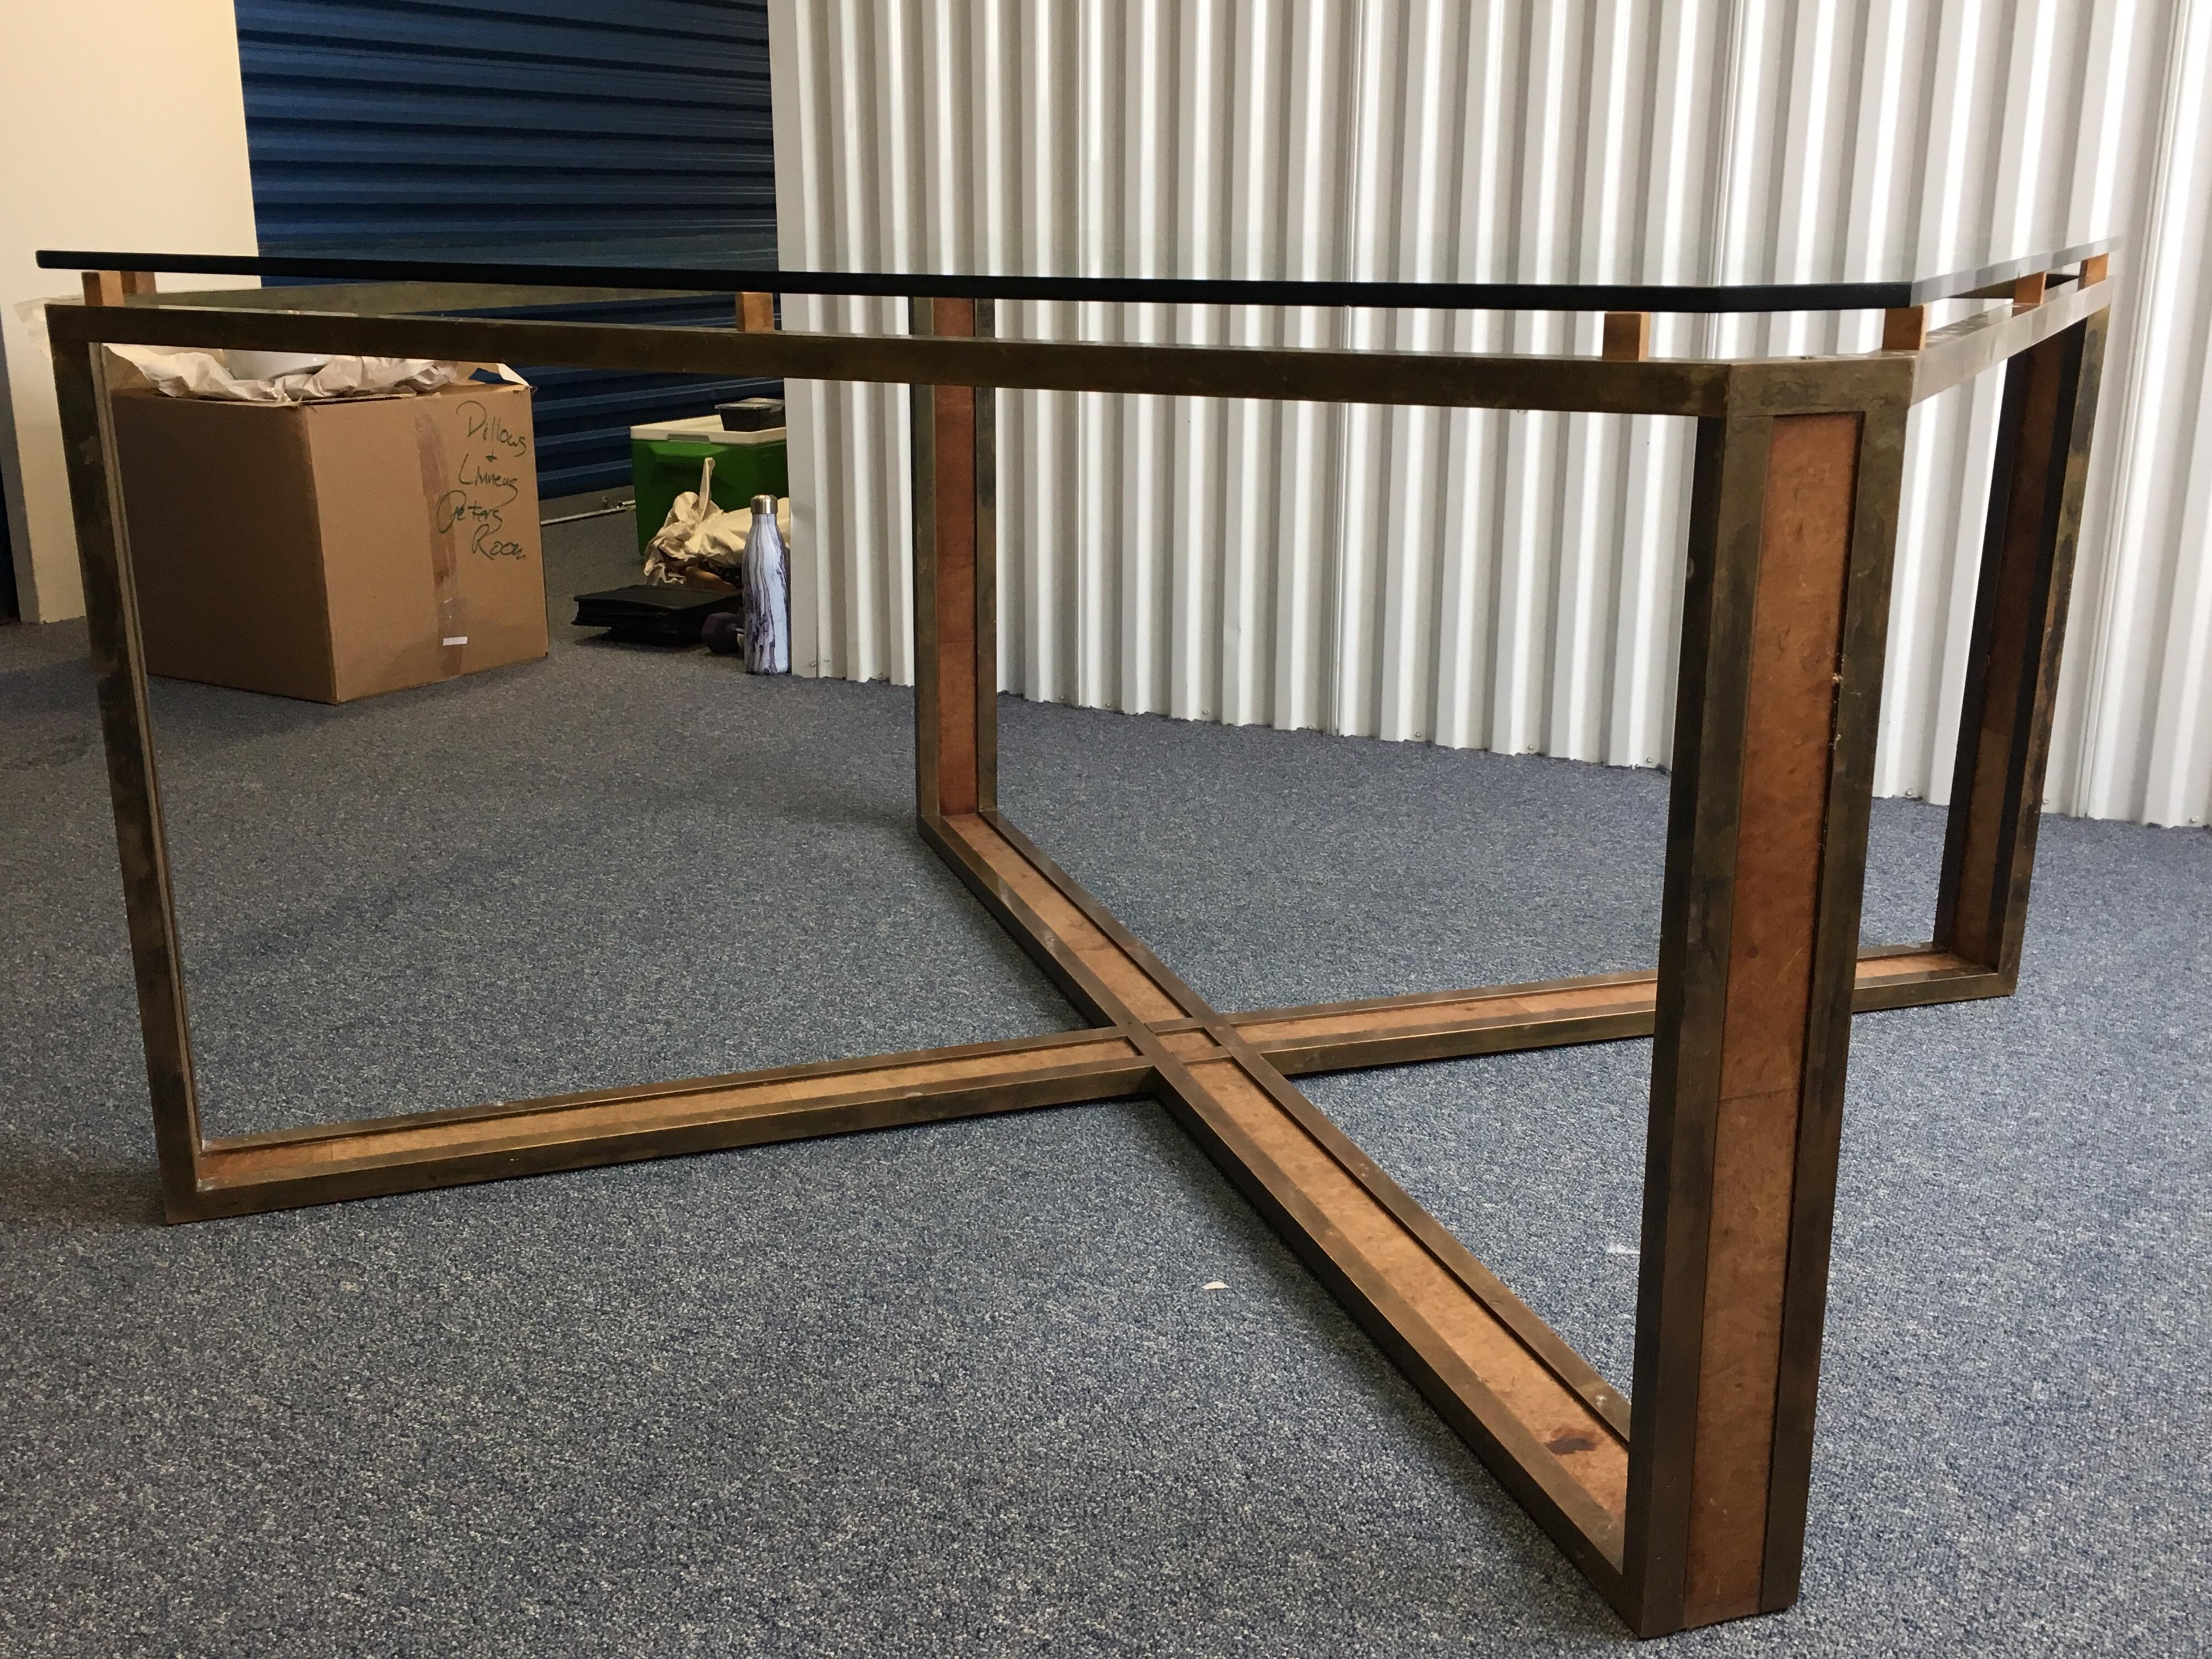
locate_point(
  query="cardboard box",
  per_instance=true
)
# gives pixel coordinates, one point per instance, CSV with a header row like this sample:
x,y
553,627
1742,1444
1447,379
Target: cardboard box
x,y
333,551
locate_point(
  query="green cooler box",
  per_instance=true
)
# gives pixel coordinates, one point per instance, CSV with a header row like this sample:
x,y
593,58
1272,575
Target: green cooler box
x,y
664,458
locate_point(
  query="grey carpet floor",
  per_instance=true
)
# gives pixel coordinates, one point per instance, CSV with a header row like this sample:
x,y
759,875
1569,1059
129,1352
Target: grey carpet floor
x,y
961,1390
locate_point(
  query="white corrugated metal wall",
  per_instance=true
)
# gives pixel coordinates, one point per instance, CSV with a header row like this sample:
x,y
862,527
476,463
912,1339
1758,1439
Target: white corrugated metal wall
x,y
1498,581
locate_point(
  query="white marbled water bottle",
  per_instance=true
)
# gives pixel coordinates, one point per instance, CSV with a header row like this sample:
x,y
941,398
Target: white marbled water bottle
x,y
767,594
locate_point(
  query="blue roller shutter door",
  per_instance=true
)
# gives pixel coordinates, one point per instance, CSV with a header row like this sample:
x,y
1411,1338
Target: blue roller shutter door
x,y
555,128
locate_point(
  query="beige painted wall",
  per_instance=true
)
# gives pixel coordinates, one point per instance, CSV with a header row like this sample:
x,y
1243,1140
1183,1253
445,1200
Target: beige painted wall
x,y
121,126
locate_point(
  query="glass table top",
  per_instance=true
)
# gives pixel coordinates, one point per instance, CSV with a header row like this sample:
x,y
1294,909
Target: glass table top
x,y
729,265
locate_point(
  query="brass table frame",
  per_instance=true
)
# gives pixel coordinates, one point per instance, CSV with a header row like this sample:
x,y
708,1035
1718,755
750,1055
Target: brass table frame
x,y
1683,1505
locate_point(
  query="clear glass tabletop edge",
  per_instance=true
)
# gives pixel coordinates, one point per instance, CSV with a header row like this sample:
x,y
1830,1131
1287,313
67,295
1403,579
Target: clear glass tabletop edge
x,y
594,271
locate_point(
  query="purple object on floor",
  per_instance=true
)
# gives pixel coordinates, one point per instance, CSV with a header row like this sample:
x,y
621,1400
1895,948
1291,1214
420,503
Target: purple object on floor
x,y
725,633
